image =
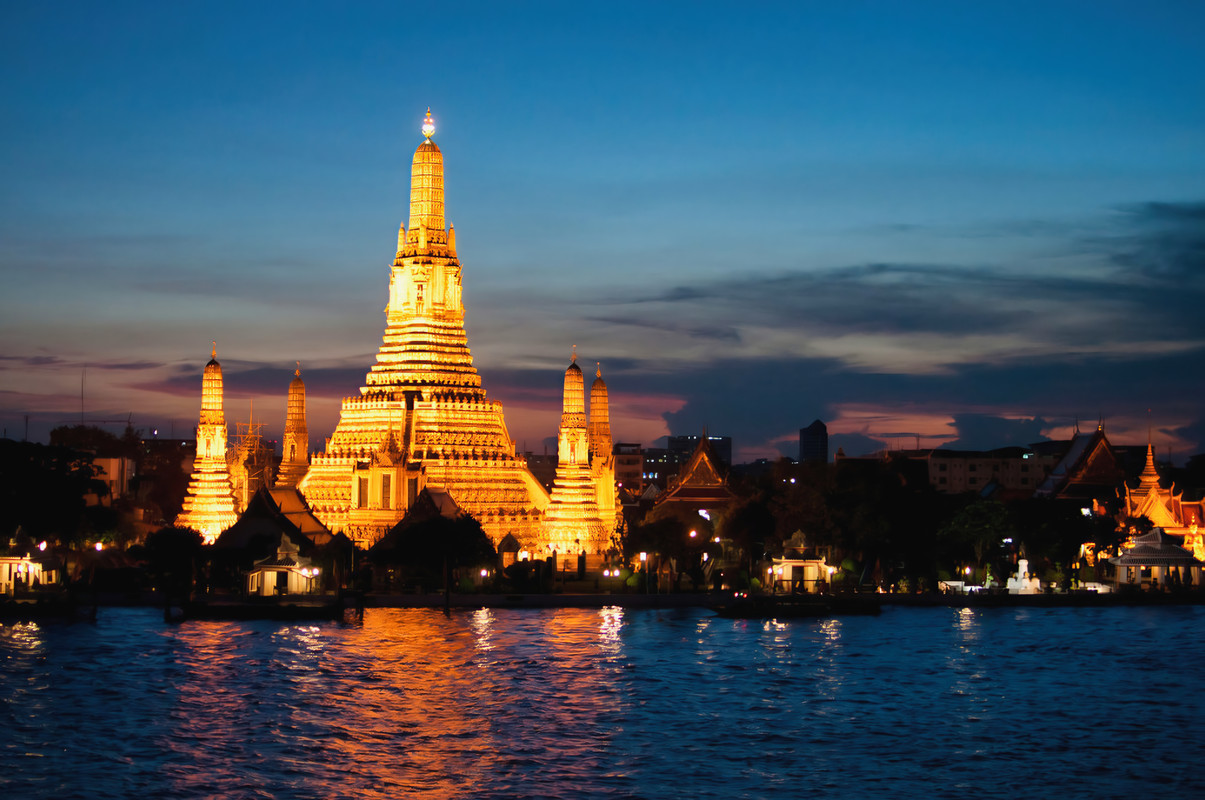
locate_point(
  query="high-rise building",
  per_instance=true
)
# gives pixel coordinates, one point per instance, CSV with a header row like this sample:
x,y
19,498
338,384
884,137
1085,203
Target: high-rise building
x,y
422,418
813,443
209,504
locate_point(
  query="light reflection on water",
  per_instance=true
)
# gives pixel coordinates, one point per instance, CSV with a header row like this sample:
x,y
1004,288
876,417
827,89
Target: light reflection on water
x,y
605,703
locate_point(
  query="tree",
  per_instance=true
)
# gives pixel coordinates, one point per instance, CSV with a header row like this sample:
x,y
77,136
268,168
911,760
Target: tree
x,y
173,556
976,533
42,491
435,546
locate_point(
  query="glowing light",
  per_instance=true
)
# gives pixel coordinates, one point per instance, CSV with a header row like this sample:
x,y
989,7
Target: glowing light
x,y
644,556
693,534
99,547
428,125
485,573
42,546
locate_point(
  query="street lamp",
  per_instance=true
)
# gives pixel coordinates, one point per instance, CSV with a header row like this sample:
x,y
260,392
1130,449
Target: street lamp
x,y
644,557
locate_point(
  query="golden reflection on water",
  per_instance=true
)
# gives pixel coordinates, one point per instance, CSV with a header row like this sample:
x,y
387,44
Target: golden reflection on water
x,y
578,703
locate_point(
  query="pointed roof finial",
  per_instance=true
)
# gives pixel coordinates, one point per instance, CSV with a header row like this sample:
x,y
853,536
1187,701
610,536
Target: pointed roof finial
x,y
214,352
428,124
598,369
574,354
297,371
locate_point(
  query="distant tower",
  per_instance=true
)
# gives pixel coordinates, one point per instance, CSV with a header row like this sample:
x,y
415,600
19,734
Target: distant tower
x,y
571,522
209,505
813,443
296,457
602,460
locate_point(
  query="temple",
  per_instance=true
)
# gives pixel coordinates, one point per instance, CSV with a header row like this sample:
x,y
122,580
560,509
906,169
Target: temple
x,y
572,523
1165,508
296,445
422,419
602,456
209,504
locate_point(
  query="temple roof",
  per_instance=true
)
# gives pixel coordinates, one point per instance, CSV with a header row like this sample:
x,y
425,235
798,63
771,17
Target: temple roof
x,y
1155,549
699,481
1089,470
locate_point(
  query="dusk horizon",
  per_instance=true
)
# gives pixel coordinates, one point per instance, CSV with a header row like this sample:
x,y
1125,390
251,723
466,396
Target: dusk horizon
x,y
932,226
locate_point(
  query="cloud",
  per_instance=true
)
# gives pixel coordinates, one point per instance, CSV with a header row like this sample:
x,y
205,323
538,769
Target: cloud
x,y
988,431
55,361
251,379
30,361
1164,242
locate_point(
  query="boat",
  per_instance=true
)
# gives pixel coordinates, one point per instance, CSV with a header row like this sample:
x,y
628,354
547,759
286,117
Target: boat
x,y
46,606
797,606
280,609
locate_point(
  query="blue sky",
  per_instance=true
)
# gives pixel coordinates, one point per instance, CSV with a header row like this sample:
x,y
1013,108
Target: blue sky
x,y
970,222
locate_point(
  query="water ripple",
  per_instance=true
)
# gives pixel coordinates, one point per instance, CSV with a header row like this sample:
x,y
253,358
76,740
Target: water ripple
x,y
604,704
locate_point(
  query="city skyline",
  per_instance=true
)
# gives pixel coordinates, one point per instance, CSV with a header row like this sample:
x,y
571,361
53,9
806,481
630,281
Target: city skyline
x,y
971,226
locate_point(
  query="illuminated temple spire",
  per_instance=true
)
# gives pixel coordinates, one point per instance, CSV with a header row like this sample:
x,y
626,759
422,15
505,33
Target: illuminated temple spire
x,y
422,418
602,458
296,441
209,504
1150,475
572,522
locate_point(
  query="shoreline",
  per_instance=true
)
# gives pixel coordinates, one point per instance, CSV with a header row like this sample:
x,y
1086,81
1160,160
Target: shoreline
x,y
706,600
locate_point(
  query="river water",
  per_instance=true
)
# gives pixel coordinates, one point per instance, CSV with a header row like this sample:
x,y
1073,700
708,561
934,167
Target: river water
x,y
572,703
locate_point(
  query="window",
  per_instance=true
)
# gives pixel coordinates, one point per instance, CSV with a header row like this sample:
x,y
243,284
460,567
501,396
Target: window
x,y
386,491
362,493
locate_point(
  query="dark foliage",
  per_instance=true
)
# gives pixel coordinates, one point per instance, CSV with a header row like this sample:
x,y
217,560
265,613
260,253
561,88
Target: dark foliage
x,y
423,549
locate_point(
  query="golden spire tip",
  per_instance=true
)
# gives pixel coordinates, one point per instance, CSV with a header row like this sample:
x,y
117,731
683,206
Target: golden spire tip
x,y
214,352
428,124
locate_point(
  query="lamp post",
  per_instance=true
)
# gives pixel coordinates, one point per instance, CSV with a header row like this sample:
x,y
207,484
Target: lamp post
x,y
644,558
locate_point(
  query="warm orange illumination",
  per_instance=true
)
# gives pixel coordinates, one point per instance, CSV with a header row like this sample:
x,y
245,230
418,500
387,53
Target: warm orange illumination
x,y
209,504
573,521
422,418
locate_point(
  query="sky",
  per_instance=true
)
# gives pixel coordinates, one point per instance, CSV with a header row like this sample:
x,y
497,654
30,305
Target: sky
x,y
953,224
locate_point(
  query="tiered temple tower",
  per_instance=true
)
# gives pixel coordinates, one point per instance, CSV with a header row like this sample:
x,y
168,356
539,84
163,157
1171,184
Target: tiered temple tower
x,y
295,459
423,418
602,459
572,523
209,504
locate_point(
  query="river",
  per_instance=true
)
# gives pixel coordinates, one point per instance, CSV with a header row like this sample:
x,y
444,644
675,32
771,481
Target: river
x,y
610,703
